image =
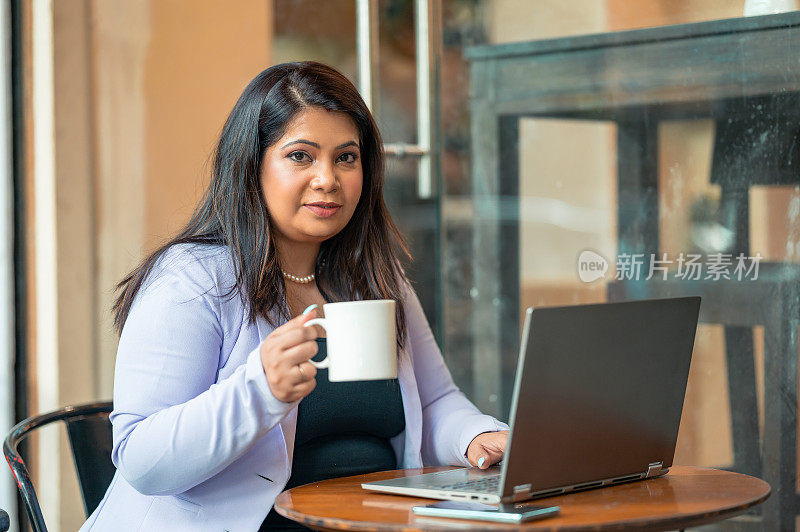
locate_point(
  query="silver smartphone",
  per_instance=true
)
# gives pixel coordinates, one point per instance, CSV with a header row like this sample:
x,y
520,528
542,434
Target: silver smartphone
x,y
507,513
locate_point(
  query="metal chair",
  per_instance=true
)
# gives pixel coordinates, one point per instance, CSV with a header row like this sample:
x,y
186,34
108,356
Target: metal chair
x,y
89,431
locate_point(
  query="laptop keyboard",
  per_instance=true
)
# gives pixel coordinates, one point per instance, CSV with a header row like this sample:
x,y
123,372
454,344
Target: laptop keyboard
x,y
481,485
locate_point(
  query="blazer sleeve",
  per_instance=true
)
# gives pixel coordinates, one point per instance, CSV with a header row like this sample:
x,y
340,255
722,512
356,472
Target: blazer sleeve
x,y
174,426
449,420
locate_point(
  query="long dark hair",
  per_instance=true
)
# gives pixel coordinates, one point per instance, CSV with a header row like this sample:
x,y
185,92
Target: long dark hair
x,y
360,262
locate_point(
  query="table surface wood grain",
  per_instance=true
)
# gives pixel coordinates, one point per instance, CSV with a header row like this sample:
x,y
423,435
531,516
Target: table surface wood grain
x,y
686,496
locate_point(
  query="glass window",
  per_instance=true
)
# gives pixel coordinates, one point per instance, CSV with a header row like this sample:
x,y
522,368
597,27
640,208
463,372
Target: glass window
x,y
669,152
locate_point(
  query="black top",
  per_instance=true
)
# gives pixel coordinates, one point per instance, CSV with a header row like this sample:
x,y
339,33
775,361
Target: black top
x,y
343,428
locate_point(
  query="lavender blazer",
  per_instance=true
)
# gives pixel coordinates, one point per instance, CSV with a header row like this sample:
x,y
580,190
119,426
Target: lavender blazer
x,y
200,442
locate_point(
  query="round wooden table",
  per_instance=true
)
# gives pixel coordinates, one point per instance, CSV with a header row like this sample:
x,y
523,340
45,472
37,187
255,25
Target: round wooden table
x,y
686,496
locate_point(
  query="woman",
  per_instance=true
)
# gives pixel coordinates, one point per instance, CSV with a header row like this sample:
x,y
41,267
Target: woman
x,y
215,408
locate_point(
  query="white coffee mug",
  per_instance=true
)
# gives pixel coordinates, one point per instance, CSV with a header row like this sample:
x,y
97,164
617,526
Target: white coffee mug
x,y
361,340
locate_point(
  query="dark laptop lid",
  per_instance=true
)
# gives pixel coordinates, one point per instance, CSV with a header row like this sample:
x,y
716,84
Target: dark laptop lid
x,y
603,394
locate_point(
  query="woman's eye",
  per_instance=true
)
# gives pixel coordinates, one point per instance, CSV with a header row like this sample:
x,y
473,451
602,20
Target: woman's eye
x,y
349,158
299,157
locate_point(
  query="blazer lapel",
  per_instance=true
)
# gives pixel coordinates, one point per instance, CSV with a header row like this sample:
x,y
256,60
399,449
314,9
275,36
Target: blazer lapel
x,y
264,328
412,408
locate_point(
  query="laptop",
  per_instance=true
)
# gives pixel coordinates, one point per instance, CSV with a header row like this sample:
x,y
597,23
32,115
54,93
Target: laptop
x,y
597,401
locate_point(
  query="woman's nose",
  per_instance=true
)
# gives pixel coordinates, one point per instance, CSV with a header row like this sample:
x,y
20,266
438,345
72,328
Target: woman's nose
x,y
325,178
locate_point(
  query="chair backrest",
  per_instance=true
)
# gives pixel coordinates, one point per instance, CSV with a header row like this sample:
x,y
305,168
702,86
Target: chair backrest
x,y
91,442
89,431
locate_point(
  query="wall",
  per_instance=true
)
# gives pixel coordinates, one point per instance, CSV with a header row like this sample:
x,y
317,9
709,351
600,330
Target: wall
x,y
139,93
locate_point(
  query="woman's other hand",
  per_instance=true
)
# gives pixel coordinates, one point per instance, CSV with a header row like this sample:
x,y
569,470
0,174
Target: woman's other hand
x,y
487,449
285,354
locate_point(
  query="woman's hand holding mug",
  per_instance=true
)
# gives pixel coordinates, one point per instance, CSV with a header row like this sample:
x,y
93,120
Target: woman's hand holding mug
x,y
361,345
285,355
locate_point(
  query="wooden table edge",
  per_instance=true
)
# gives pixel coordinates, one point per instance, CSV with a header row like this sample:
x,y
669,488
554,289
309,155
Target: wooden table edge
x,y
673,523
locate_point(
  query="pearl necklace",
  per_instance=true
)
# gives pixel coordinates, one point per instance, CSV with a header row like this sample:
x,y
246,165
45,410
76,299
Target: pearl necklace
x,y
296,279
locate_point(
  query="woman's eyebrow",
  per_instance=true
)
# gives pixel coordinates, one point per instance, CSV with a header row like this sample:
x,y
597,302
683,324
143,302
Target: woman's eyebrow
x,y
301,141
346,144
304,141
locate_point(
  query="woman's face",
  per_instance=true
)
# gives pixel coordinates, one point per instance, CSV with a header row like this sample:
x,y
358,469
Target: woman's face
x,y
311,177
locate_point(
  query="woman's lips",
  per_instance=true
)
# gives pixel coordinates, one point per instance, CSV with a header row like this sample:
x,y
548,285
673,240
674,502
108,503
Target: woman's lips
x,y
322,212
